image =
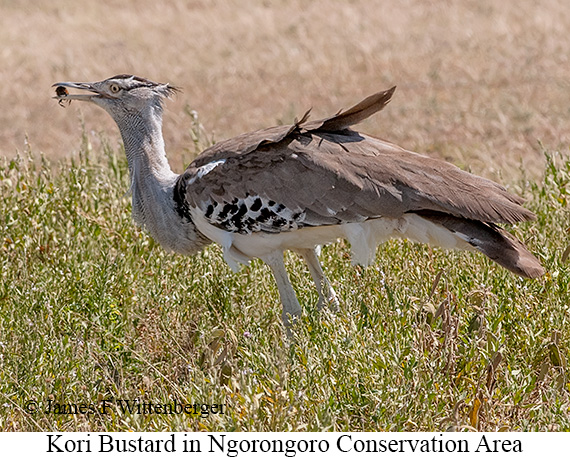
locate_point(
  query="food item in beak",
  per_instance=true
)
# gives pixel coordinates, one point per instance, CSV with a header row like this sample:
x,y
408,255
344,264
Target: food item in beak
x,y
61,91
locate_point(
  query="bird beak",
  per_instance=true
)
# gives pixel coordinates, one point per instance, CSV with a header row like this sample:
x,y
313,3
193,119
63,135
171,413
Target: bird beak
x,y
63,94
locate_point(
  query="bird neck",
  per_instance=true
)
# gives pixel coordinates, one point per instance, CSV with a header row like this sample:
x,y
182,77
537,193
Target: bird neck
x,y
144,147
152,180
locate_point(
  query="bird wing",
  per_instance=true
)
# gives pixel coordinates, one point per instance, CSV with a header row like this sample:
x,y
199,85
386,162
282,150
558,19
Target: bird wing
x,y
323,173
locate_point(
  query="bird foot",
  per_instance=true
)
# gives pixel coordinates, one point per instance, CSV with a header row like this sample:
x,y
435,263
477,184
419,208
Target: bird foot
x,y
330,300
289,322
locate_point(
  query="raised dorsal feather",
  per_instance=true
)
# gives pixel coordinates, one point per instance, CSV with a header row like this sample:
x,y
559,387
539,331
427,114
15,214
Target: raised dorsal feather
x,y
248,142
352,116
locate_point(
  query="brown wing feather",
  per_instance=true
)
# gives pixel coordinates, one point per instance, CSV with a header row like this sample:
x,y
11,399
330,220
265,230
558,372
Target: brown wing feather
x,y
354,115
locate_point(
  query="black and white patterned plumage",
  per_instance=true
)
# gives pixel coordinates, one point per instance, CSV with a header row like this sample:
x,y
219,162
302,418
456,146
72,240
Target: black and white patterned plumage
x,y
252,214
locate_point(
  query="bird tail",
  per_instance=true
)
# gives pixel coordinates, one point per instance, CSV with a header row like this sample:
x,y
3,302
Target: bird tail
x,y
491,240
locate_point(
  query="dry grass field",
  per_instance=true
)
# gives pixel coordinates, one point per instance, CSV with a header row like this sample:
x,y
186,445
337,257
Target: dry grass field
x,y
92,309
479,82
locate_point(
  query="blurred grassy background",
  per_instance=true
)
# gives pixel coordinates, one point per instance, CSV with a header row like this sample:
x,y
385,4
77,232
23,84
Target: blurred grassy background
x,y
479,82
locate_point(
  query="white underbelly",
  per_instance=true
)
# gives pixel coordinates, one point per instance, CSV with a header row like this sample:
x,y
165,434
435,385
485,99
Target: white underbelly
x,y
362,236
262,243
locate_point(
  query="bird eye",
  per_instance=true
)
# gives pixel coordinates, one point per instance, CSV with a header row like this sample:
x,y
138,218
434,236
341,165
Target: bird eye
x,y
114,88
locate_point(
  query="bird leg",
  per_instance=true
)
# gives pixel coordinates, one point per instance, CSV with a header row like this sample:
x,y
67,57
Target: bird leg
x,y
324,288
291,307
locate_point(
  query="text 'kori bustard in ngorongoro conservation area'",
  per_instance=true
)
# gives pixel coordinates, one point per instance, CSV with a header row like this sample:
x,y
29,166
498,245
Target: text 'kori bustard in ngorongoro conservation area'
x,y
300,186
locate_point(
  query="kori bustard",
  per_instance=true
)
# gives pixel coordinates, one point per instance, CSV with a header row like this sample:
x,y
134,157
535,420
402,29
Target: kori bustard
x,y
296,187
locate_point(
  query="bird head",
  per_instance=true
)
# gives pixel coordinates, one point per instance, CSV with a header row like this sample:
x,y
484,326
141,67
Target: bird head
x,y
120,95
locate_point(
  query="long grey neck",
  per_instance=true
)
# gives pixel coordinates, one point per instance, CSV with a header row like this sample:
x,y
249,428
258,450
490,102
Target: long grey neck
x,y
144,146
152,183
